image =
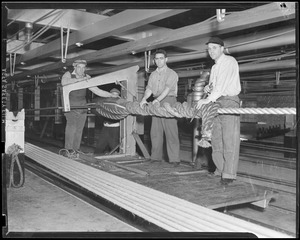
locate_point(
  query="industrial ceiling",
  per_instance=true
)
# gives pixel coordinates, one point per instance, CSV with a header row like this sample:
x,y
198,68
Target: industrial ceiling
x,y
41,40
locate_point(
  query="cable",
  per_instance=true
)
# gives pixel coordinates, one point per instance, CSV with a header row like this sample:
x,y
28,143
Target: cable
x,y
14,151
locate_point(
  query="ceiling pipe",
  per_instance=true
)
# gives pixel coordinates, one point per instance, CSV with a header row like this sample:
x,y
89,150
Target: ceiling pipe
x,y
280,40
249,67
286,39
28,31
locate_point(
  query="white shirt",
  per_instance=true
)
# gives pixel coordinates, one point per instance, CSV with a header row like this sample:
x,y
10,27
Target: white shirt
x,y
225,78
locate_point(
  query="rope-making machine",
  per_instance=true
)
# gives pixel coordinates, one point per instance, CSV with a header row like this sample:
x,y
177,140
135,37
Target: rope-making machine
x,y
128,78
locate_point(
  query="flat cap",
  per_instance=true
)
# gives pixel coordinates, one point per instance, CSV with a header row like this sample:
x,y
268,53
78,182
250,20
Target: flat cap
x,y
115,90
79,61
216,40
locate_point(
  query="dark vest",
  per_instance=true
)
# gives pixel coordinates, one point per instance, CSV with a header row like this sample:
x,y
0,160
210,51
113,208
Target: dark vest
x,y
77,97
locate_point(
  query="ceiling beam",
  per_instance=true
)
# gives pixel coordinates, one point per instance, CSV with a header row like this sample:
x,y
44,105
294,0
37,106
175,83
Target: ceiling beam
x,y
263,15
124,21
73,18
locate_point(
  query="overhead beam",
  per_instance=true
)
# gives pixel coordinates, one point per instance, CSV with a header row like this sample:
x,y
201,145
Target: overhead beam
x,y
263,15
124,21
72,18
14,44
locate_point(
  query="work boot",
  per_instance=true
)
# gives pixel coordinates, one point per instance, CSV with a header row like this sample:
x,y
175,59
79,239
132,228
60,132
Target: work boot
x,y
226,181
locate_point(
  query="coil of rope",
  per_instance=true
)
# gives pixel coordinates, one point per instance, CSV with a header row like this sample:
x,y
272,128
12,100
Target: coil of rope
x,y
13,151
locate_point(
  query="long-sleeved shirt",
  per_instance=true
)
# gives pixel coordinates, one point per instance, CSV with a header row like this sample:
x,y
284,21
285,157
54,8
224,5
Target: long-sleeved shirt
x,y
225,78
159,80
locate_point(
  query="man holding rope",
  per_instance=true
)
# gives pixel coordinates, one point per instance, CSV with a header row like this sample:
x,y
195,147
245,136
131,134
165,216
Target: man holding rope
x,y
224,87
76,117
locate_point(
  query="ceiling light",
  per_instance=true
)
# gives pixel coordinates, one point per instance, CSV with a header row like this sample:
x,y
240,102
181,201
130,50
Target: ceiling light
x,y
79,44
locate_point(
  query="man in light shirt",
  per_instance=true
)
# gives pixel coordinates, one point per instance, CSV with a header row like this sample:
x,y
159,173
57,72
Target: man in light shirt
x,y
224,87
163,85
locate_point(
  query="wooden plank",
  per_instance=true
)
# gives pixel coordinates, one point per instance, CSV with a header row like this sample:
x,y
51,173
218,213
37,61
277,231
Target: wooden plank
x,y
259,16
141,145
126,20
108,163
69,18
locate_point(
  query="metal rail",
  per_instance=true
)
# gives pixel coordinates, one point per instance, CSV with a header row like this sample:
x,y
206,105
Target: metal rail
x,y
168,212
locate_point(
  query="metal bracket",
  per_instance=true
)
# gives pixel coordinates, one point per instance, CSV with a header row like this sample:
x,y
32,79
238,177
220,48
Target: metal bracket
x,y
121,75
221,15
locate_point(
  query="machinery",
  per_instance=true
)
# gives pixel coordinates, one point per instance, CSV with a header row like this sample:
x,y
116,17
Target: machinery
x,y
128,78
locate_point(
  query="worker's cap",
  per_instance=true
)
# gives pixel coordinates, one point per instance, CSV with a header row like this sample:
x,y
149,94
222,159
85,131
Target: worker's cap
x,y
79,61
115,90
216,40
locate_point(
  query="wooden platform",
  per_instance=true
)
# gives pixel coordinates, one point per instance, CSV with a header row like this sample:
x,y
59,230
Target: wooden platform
x,y
183,181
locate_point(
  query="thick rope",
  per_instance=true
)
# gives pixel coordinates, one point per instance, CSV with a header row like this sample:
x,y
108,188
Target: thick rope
x,y
257,110
13,151
119,108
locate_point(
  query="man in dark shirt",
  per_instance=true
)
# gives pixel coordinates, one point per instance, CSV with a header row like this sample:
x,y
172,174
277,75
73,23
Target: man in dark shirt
x,y
76,117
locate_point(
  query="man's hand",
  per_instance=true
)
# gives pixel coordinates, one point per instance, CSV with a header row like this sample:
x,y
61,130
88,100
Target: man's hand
x,y
208,88
114,95
201,102
156,103
142,103
86,78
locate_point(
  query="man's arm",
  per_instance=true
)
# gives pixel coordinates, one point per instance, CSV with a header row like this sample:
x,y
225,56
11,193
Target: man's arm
x,y
100,92
162,95
66,79
147,94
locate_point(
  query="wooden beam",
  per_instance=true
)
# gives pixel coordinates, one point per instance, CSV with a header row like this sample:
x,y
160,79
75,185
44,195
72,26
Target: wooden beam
x,y
46,16
116,24
17,43
141,145
259,16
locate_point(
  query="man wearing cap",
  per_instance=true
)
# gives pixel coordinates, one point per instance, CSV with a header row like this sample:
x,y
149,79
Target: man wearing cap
x,y
76,117
224,87
110,132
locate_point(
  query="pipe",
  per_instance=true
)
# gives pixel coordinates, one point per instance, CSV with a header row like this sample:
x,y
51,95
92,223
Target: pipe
x,y
285,39
249,67
248,43
28,31
164,210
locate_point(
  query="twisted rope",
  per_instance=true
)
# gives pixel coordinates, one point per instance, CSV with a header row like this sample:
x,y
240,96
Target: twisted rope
x,y
14,151
258,110
119,108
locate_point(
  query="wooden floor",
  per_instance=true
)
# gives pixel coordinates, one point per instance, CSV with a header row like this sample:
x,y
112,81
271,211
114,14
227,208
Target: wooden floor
x,y
192,185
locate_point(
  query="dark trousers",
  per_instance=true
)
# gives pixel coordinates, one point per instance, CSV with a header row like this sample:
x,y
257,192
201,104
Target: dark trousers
x,y
226,139
167,126
74,128
109,137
